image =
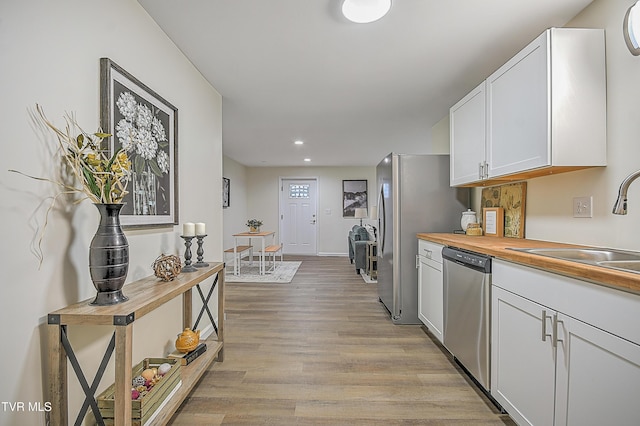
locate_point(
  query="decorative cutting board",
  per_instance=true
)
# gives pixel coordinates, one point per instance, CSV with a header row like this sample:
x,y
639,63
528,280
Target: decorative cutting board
x,y
512,198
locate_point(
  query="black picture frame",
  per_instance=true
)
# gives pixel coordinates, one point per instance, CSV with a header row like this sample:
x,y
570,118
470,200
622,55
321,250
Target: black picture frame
x,y
354,195
146,126
226,192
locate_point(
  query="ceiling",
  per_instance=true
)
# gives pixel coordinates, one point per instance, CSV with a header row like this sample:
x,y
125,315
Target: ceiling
x,y
297,69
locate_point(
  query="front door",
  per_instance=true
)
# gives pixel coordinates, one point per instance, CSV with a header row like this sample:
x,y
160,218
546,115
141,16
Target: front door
x,y
298,216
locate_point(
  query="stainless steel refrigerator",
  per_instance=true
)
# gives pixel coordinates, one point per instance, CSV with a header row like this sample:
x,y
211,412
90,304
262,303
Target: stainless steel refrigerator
x,y
413,196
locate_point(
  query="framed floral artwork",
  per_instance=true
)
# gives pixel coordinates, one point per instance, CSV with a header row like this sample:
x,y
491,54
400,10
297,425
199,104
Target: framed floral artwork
x,y
145,125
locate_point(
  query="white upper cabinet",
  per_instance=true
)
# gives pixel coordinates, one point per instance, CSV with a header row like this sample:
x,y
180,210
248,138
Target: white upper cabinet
x,y
467,124
544,112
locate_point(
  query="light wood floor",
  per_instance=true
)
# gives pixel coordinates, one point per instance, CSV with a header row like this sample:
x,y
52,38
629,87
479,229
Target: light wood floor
x,y
322,350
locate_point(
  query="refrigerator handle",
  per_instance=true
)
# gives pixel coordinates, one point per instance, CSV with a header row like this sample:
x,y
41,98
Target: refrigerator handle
x,y
382,220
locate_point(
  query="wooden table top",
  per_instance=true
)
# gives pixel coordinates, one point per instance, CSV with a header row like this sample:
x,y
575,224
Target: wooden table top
x,y
144,296
254,234
499,248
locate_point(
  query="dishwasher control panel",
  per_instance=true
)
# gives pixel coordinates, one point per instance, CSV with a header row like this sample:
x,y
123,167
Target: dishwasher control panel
x,y
467,258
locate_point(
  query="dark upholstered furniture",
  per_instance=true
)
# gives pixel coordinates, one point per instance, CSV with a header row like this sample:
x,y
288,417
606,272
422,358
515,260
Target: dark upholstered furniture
x,y
358,237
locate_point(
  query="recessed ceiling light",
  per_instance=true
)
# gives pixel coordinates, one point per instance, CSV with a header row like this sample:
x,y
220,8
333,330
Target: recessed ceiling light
x,y
365,11
299,142
307,159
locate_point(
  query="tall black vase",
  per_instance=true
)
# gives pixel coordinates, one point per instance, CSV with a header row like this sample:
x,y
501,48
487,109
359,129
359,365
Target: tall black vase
x,y
109,257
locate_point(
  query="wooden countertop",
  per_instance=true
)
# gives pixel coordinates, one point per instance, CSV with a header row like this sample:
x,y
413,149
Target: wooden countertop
x,y
497,247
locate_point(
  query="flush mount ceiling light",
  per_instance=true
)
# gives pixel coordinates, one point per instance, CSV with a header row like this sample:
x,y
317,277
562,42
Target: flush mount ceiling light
x,y
299,142
365,11
631,28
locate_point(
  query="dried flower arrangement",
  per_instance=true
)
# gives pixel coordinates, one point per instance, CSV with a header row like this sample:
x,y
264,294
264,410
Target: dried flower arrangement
x,y
102,178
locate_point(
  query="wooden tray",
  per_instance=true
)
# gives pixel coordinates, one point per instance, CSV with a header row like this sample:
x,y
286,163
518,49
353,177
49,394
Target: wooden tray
x,y
142,409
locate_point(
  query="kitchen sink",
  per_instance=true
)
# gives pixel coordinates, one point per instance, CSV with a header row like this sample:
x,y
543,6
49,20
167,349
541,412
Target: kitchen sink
x,y
589,255
608,258
625,265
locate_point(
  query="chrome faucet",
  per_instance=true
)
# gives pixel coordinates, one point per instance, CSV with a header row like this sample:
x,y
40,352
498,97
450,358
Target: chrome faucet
x,y
620,207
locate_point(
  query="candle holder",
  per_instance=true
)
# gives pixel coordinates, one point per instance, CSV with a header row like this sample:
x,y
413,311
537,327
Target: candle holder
x,y
200,252
188,267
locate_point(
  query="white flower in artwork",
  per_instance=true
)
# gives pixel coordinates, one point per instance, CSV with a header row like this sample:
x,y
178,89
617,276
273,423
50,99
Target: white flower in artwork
x,y
163,161
126,134
146,145
140,132
144,118
158,130
127,106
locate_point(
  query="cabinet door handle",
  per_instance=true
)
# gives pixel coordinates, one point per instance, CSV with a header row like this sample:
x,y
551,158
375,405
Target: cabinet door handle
x,y
544,327
486,170
480,170
555,331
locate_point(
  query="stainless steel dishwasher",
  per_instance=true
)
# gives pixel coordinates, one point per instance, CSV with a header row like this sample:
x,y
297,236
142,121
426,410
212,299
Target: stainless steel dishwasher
x,y
467,299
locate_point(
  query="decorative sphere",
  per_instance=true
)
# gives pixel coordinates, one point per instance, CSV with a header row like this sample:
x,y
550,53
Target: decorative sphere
x,y
167,267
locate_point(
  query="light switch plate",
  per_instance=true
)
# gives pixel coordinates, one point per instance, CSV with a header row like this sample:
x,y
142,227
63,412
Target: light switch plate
x,y
583,207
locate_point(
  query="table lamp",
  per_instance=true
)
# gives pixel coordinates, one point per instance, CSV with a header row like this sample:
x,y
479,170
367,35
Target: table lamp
x,y
360,213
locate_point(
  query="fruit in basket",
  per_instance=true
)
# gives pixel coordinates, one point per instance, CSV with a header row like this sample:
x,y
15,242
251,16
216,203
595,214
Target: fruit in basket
x,y
148,374
187,340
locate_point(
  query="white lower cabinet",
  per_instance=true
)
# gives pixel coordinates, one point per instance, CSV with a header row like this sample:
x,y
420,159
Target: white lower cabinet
x,y
597,378
549,368
430,287
523,366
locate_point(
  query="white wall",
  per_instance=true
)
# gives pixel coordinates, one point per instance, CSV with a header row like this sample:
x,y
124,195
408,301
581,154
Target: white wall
x,y
49,54
549,199
440,143
262,201
549,212
235,216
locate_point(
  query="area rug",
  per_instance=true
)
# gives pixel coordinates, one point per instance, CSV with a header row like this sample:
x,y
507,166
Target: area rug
x,y
283,273
367,278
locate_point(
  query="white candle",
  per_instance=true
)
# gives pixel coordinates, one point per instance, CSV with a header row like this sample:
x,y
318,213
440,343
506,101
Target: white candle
x,y
188,229
200,228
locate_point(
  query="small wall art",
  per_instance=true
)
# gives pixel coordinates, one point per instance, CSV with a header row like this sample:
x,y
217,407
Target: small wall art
x,y
493,221
354,195
226,188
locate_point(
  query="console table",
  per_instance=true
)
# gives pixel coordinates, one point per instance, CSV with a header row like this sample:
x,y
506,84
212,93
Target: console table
x,y
145,295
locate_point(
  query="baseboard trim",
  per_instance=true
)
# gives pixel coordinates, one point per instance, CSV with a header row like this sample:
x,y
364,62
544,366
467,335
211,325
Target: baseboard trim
x,y
333,254
206,332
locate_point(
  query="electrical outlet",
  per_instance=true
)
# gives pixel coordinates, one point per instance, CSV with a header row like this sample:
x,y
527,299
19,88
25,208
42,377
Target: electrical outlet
x,y
583,207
